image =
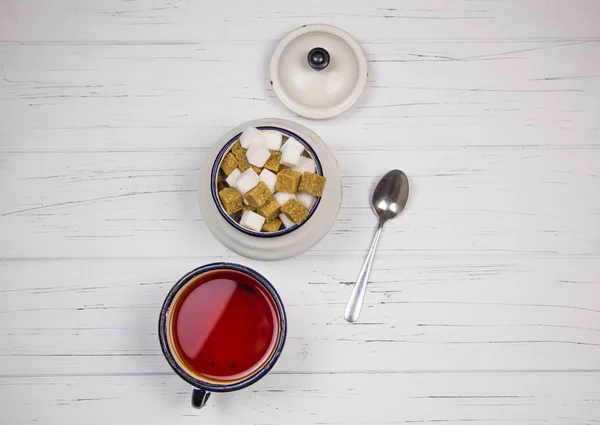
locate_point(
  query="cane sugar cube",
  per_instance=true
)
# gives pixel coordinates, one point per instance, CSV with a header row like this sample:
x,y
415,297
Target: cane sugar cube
x,y
273,163
269,178
274,139
283,197
287,223
294,210
305,199
246,181
256,169
292,142
258,196
244,201
240,155
229,163
246,207
271,209
231,200
305,165
232,177
237,150
312,184
272,225
243,164
258,154
291,155
250,136
288,181
251,220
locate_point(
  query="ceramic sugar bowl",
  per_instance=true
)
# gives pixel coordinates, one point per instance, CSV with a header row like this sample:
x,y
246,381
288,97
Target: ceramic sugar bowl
x,y
291,238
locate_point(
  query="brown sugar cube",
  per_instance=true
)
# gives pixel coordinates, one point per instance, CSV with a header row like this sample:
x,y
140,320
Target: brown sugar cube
x,y
243,164
288,181
229,163
240,154
231,199
270,209
237,149
247,207
313,184
256,169
258,196
272,225
273,163
295,211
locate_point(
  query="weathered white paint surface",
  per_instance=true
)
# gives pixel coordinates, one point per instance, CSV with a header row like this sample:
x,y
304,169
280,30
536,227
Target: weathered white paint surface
x,y
484,305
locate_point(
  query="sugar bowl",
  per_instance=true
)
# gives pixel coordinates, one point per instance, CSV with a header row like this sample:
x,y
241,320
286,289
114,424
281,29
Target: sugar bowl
x,y
288,204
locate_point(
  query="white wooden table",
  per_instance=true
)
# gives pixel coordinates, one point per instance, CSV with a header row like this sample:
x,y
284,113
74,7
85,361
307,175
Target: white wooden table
x,y
484,305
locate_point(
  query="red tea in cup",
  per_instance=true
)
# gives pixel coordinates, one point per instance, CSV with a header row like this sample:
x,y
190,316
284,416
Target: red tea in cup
x,y
222,328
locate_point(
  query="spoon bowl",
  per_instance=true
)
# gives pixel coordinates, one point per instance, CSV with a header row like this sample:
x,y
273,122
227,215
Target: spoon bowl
x,y
390,195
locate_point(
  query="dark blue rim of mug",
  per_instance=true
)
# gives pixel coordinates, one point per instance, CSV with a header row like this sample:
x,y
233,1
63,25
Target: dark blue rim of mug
x,y
215,171
163,334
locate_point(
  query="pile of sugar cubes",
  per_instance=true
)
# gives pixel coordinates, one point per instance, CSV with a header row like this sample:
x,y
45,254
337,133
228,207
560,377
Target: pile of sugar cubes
x,y
268,181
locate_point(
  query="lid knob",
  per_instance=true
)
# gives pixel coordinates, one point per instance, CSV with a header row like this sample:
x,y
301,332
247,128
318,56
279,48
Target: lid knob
x,y
318,58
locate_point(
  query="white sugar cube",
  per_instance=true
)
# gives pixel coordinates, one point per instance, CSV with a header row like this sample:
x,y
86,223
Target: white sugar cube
x,y
292,142
246,181
251,220
291,155
258,154
283,197
305,165
305,199
250,136
274,139
286,221
232,178
269,178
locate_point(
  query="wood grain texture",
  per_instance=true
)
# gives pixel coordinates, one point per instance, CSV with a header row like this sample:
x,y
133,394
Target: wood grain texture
x,y
484,302
325,399
448,313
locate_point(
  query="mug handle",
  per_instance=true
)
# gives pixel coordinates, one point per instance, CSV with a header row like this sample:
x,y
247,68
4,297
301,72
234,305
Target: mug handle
x,y
199,398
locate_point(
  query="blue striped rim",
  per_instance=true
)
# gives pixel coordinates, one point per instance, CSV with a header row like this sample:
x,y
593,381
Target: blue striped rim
x,y
215,195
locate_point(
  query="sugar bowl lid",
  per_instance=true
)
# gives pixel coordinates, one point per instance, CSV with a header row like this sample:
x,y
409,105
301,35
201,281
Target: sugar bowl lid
x,y
318,71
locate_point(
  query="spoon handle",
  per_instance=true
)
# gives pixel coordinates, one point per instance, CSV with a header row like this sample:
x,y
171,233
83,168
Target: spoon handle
x,y
360,287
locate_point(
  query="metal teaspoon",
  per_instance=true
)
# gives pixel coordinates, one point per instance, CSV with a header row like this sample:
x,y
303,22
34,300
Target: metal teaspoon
x,y
389,199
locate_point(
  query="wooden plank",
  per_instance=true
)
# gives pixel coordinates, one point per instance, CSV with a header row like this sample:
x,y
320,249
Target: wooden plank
x,y
157,21
437,94
144,203
421,313
332,399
